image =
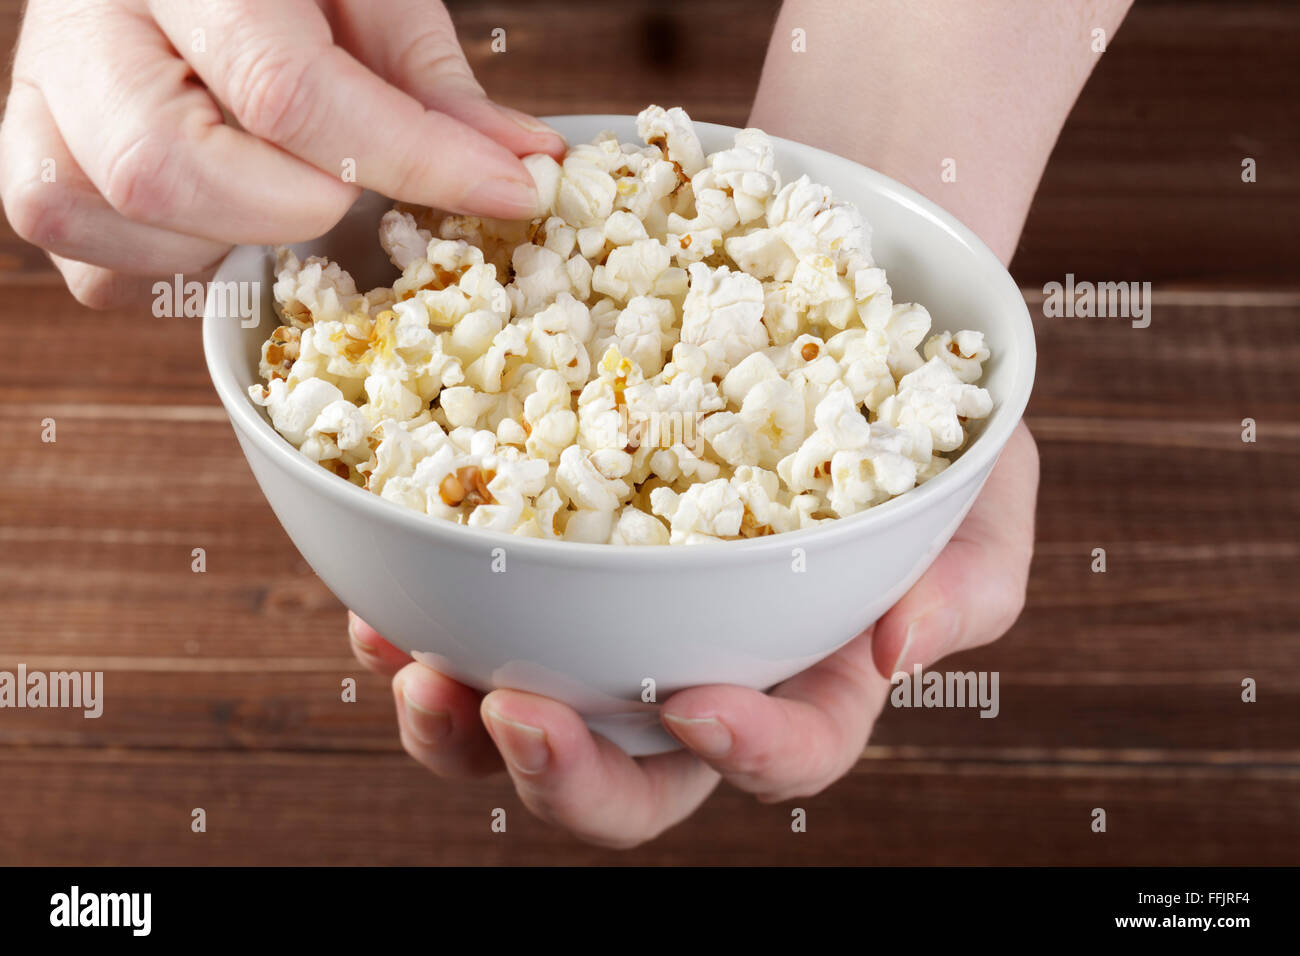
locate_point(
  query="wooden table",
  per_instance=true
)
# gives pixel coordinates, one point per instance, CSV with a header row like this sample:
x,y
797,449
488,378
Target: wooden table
x,y
1120,690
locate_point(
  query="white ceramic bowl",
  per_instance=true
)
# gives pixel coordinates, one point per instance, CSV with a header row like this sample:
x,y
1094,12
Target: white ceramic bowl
x,y
591,624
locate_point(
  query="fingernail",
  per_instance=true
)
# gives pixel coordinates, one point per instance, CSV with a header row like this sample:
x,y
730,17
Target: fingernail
x,y
529,124
928,638
504,199
705,735
362,643
524,747
427,726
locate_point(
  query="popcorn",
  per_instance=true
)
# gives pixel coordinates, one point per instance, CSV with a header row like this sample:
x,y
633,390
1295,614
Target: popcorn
x,y
312,291
472,335
453,267
602,403
635,527
723,314
706,511
512,484
646,180
672,132
632,270
540,276
771,421
295,410
623,228
695,245
402,238
863,357
340,431
645,331
763,254
496,238
584,485
811,223
558,337
279,352
488,373
456,480
388,397
746,173
589,527
774,414
730,438
585,192
906,327
965,353
551,424
933,396
465,407
852,463
546,510
681,349
761,493
399,450
714,211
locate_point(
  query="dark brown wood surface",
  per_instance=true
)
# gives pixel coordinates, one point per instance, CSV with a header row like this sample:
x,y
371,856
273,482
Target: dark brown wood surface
x,y
1119,690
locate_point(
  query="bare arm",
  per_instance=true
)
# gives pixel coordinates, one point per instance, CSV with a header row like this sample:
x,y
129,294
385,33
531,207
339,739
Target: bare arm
x,y
904,85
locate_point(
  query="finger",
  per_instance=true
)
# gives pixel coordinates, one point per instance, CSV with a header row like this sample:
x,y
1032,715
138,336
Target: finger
x,y
586,784
438,722
277,69
98,288
372,650
425,59
793,742
50,202
975,589
155,144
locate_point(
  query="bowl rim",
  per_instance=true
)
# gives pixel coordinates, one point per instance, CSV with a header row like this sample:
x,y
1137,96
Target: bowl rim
x,y
980,454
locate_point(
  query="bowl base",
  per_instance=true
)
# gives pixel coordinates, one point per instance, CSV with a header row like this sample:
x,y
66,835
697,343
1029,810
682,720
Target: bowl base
x,y
638,735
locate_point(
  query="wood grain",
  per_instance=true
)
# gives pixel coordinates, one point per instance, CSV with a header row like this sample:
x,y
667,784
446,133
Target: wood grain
x,y
368,809
1118,690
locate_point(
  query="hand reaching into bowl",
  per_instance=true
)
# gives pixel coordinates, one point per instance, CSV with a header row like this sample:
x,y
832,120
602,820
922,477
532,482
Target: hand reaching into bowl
x,y
116,158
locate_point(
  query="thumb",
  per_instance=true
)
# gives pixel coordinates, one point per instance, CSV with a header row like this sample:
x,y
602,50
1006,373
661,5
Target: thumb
x,y
975,589
413,45
967,598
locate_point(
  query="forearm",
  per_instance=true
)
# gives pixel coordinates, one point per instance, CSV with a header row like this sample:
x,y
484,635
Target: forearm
x,y
916,87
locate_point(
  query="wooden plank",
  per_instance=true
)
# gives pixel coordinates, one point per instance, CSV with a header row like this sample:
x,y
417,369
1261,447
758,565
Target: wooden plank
x,y
1055,717
96,807
1145,182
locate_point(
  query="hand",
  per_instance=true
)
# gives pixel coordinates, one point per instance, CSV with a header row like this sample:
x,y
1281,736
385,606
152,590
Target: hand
x,y
793,742
121,101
